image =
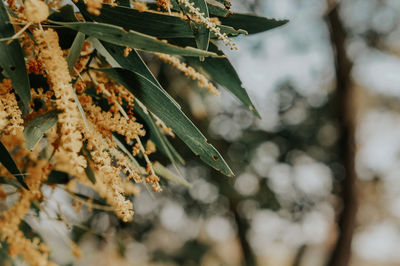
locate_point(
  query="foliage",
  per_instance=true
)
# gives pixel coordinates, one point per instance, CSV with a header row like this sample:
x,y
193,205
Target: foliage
x,y
81,108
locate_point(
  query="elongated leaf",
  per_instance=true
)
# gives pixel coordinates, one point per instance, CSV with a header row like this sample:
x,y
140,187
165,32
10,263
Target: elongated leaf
x,y
158,137
75,51
159,103
35,129
222,71
12,59
133,62
90,174
154,24
115,56
10,165
57,177
9,181
150,23
163,171
251,23
65,13
133,39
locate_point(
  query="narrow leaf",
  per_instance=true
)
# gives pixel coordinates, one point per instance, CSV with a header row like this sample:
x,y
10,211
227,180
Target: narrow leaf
x,y
159,103
75,51
133,39
133,62
10,165
115,56
251,23
158,137
154,24
222,71
90,174
12,59
35,129
163,171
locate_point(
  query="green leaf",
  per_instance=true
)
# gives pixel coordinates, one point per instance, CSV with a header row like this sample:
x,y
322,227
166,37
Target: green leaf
x,y
159,103
115,56
57,177
90,174
157,25
158,137
133,39
133,62
251,23
8,162
9,181
75,51
150,23
65,14
222,71
12,59
217,11
163,171
35,129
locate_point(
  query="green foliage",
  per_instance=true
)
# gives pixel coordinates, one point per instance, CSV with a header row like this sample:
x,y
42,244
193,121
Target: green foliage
x,y
9,163
35,129
12,60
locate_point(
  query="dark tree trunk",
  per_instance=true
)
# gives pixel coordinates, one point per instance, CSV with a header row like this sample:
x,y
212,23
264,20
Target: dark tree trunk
x,y
343,102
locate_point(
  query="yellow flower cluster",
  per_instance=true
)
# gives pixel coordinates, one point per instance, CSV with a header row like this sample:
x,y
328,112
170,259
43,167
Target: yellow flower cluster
x,y
94,6
34,252
69,119
107,122
36,11
202,81
10,117
108,180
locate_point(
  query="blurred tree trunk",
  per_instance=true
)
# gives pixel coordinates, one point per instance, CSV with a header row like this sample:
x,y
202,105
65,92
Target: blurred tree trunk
x,y
345,111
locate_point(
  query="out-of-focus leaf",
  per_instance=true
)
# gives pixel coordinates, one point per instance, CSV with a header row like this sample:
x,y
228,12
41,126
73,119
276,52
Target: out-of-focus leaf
x,y
222,71
133,39
10,165
217,11
75,51
57,177
227,4
12,59
9,181
35,129
65,14
90,174
251,23
163,171
159,103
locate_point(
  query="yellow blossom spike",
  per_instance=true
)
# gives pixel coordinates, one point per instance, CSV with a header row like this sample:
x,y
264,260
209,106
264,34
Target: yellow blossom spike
x,y
202,81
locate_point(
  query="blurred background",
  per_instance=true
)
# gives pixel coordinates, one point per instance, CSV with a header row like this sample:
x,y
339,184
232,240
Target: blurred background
x,y
317,179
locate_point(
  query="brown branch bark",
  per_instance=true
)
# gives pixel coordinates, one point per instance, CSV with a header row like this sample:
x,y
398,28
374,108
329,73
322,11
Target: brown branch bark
x,y
344,107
